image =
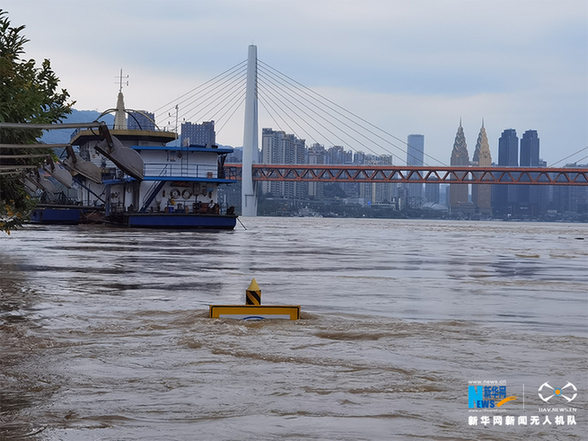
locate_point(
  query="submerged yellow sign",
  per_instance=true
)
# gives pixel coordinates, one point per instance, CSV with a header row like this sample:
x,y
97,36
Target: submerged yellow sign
x,y
255,312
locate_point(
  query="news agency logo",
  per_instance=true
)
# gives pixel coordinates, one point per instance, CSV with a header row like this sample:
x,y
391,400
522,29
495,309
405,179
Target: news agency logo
x,y
546,392
487,397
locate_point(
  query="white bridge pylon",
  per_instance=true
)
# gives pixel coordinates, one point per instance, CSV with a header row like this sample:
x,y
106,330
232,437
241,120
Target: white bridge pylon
x,y
250,138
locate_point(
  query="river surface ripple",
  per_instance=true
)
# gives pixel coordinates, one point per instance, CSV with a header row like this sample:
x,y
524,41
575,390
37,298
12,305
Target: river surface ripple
x,y
104,331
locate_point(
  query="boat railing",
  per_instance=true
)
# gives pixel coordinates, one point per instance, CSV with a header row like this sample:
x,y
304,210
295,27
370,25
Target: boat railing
x,y
169,169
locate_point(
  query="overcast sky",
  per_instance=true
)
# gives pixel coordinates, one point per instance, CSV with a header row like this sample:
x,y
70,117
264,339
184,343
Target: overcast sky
x,y
414,66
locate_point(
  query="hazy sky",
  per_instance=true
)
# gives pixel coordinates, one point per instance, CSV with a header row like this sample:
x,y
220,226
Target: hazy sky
x,y
414,66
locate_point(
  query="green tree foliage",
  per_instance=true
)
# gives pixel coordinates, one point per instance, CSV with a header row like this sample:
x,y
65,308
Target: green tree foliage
x,y
28,94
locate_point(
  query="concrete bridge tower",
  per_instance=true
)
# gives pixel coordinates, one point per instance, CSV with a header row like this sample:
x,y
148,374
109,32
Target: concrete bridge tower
x,y
250,138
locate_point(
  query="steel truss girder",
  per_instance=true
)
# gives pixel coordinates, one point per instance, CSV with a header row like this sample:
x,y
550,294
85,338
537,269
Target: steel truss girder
x,y
414,175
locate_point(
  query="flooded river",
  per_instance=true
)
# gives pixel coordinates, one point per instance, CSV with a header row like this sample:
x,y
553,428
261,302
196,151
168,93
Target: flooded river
x,y
104,333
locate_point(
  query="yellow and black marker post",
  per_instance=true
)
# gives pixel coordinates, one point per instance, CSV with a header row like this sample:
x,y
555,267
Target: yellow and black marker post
x,y
253,294
253,309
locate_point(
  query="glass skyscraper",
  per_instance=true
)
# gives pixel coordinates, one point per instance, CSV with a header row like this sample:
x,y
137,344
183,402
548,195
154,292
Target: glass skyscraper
x,y
415,153
530,149
504,197
529,196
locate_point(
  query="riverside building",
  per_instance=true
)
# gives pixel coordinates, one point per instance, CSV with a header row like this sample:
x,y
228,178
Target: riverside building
x,y
278,147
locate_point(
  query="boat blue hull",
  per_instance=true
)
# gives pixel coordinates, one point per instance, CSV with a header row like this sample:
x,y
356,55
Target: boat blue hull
x,y
56,216
180,221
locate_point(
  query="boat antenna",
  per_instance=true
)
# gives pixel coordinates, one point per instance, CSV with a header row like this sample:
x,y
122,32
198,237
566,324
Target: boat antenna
x,y
121,81
177,133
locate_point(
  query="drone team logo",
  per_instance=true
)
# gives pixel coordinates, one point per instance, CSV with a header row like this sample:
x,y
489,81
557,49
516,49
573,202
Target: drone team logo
x,y
546,392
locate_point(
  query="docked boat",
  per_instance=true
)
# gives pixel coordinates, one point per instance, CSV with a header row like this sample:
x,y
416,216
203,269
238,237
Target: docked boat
x,y
66,214
56,215
148,180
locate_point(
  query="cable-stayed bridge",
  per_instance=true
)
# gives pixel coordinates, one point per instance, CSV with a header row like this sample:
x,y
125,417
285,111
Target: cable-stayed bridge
x,y
298,110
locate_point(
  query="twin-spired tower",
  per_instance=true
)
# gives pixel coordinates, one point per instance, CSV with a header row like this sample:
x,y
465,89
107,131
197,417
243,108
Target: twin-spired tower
x,y
481,194
458,193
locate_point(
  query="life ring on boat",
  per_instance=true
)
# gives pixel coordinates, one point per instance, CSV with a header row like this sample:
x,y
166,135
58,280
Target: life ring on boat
x,y
186,194
175,193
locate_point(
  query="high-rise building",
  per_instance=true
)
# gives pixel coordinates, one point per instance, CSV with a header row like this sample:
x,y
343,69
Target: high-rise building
x,y
359,157
375,192
504,197
432,192
508,148
415,153
338,155
198,134
482,194
316,156
277,147
140,120
569,198
530,149
530,196
415,150
458,193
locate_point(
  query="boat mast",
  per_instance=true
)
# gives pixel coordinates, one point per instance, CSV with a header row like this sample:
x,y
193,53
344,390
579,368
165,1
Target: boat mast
x,y
120,117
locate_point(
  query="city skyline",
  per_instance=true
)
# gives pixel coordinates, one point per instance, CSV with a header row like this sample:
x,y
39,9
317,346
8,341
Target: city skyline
x,y
493,61
482,201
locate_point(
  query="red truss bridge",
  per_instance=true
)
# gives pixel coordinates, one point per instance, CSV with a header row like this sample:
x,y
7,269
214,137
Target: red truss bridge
x,y
413,175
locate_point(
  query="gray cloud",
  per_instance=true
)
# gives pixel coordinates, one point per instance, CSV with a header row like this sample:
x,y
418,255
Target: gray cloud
x,y
407,66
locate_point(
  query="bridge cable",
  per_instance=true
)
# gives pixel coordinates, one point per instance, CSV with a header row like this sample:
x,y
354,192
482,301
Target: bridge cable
x,y
209,104
211,94
208,97
193,98
327,152
349,112
173,102
231,116
323,126
269,97
262,100
569,156
344,124
345,116
230,83
355,130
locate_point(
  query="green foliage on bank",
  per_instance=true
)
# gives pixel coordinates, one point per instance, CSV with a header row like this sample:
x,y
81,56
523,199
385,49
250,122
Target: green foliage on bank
x,y
28,94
